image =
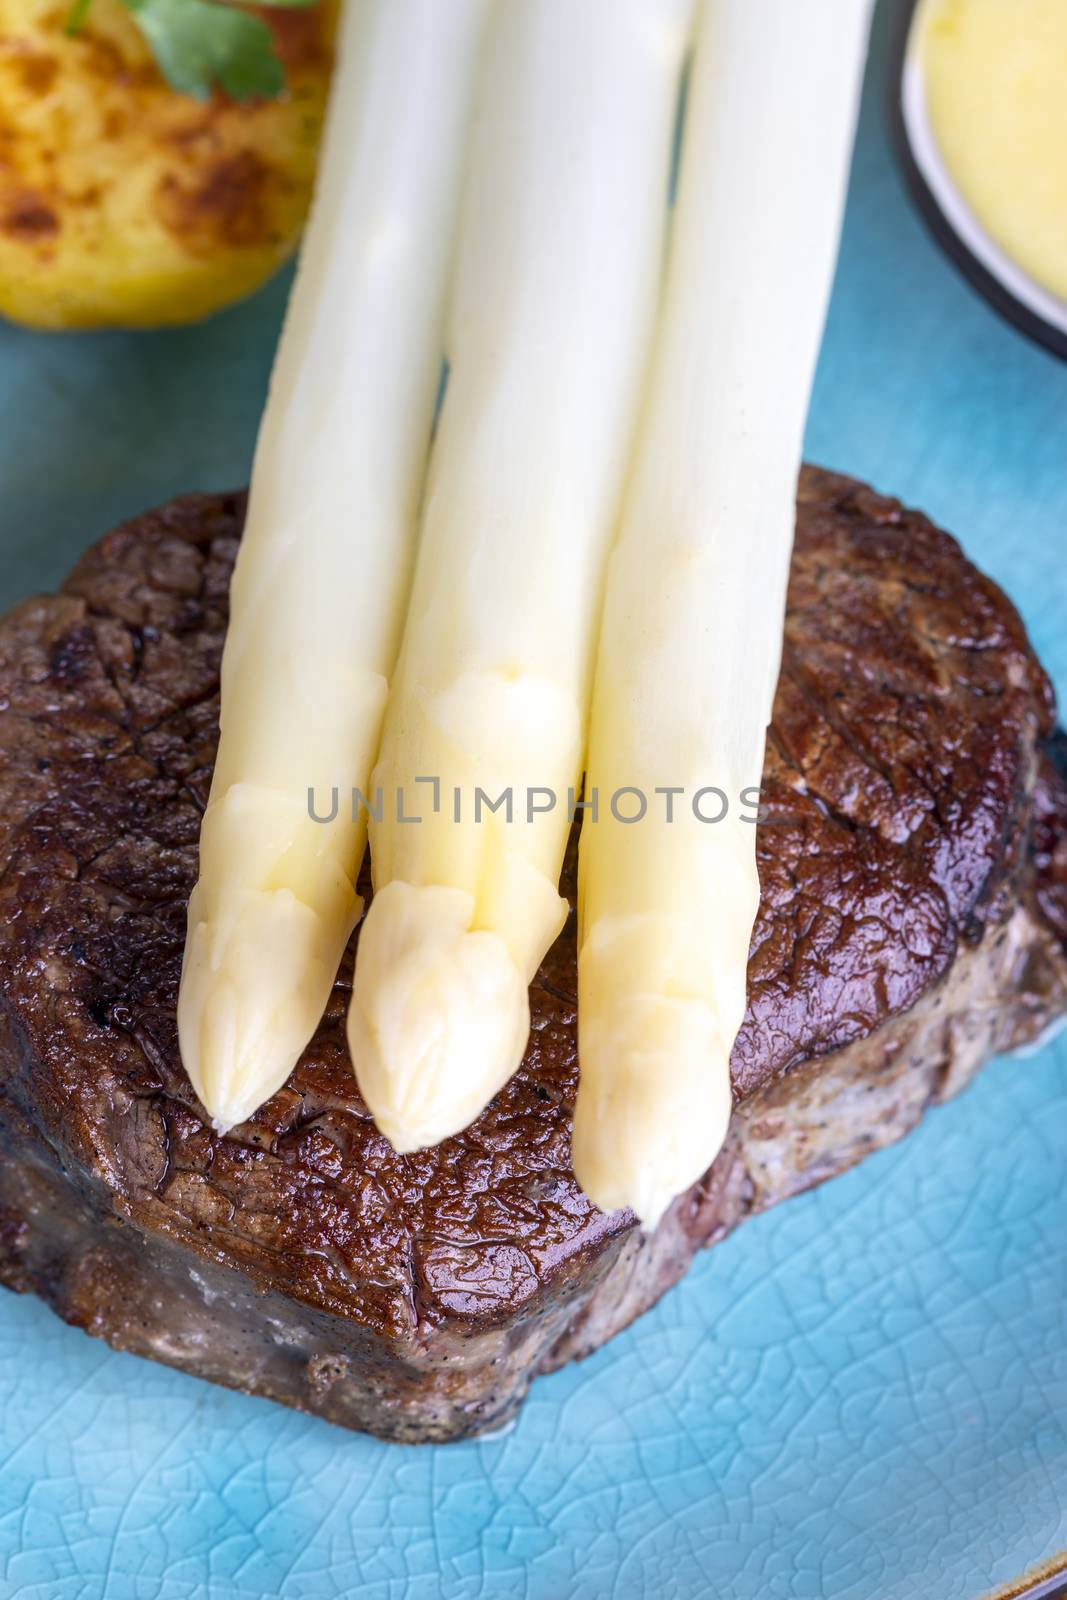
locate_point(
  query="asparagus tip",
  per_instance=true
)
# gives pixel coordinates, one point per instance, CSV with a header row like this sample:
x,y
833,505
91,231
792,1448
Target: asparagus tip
x,y
653,1103
254,988
439,1015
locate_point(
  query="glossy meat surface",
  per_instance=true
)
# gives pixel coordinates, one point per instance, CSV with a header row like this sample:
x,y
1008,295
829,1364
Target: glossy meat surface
x,y
914,902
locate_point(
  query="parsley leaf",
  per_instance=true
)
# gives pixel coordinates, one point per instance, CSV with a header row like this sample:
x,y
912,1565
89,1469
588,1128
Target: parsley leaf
x,y
78,12
201,43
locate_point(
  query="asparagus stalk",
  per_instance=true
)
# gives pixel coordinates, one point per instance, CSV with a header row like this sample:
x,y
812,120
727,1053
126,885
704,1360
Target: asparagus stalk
x,y
691,634
324,568
561,241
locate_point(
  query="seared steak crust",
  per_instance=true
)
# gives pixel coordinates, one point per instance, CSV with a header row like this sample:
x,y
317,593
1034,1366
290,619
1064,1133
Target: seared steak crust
x,y
914,906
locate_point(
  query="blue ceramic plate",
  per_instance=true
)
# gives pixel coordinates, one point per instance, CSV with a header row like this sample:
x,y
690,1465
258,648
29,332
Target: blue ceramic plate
x,y
861,1394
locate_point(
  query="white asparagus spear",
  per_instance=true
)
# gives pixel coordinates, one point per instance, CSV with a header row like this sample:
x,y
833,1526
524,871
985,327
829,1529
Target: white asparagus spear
x,y
561,243
324,568
692,627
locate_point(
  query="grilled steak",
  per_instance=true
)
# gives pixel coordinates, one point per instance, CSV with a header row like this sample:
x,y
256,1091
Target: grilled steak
x,y
913,917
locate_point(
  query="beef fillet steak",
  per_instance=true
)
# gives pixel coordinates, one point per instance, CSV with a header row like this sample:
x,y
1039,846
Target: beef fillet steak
x,y
913,916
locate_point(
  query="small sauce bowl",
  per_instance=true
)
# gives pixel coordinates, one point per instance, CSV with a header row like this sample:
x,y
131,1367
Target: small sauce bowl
x,y
1029,305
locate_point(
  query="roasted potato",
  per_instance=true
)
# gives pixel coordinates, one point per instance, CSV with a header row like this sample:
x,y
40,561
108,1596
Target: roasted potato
x,y
124,203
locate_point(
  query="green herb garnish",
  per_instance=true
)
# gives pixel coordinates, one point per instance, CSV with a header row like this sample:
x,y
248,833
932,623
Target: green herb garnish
x,y
203,43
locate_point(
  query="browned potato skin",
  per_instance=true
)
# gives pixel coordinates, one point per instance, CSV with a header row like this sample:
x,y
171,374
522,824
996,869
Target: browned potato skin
x,y
124,204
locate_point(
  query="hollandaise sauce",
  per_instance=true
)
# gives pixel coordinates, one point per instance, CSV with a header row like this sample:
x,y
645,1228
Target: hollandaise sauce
x,y
995,76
